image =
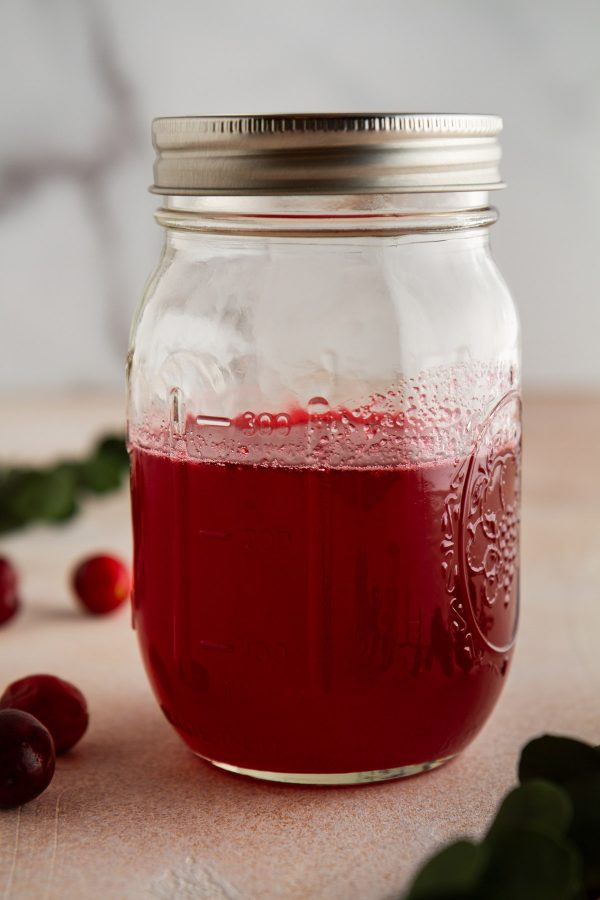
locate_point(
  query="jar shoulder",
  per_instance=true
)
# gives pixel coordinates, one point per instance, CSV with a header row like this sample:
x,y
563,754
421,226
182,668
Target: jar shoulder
x,y
448,285
278,322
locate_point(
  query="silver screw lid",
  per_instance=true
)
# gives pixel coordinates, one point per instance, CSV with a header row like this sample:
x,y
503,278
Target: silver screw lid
x,y
334,153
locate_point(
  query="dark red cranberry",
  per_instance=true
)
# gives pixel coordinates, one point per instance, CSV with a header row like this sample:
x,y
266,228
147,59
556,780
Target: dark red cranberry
x,y
59,705
102,583
26,758
9,586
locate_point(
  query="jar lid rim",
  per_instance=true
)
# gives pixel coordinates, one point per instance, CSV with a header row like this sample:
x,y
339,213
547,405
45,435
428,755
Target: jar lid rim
x,y
326,153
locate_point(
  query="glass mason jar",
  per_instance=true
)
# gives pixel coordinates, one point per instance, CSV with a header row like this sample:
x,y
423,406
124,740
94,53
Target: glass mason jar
x,y
324,428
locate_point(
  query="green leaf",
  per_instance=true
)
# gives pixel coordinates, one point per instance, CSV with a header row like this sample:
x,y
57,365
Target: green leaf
x,y
538,806
114,447
72,468
453,874
47,494
558,759
57,501
585,829
100,474
51,494
10,515
530,865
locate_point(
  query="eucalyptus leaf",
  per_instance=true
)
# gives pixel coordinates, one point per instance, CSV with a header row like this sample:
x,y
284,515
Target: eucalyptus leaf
x,y
530,865
60,499
558,759
544,843
45,494
453,874
72,468
114,447
52,493
11,515
585,829
101,474
537,805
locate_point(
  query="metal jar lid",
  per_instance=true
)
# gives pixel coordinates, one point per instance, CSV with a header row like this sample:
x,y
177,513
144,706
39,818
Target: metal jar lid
x,y
370,153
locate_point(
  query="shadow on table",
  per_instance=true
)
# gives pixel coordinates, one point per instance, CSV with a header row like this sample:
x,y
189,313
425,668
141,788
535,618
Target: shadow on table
x,y
132,790
58,614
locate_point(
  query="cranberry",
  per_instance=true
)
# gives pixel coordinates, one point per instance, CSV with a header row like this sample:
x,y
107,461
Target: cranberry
x,y
60,706
9,584
26,758
102,583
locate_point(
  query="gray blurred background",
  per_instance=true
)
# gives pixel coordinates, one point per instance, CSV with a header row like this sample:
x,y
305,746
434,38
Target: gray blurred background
x,y
82,79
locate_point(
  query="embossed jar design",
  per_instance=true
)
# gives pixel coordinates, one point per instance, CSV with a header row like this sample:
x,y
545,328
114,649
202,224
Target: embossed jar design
x,y
324,427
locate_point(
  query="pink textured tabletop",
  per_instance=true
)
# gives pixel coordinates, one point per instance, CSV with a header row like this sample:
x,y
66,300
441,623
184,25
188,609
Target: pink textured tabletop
x,y
132,814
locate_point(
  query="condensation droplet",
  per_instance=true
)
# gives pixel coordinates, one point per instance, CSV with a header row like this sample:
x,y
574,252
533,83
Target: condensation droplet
x,y
377,402
329,361
416,419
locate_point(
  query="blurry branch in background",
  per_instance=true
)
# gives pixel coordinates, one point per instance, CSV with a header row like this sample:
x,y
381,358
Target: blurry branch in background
x,y
23,173
53,493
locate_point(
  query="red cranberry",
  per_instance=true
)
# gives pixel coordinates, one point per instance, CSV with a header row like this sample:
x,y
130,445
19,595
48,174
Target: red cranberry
x,y
9,585
59,705
102,583
26,758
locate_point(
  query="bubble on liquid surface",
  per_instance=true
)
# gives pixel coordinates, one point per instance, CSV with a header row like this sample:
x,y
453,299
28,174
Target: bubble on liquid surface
x,y
317,406
419,419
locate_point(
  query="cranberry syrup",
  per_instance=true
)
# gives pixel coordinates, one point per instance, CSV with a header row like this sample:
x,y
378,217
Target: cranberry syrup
x,y
326,619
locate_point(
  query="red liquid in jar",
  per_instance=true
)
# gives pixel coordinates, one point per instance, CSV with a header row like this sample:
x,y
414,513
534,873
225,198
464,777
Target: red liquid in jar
x,y
305,620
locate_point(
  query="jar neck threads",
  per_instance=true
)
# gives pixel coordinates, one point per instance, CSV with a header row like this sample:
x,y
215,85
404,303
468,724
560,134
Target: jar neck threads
x,y
331,215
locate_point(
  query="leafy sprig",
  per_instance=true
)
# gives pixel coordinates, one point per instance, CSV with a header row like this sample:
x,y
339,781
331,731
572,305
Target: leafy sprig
x,y
54,493
544,843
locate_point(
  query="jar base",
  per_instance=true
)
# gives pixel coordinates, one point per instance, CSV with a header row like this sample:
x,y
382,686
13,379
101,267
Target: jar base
x,y
332,778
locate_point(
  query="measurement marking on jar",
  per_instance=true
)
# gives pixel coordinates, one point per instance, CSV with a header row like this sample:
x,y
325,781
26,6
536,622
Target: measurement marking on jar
x,y
210,645
220,535
219,421
266,423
